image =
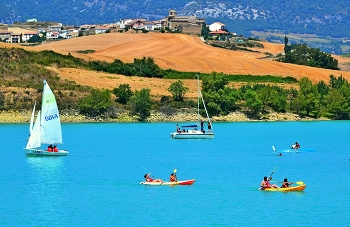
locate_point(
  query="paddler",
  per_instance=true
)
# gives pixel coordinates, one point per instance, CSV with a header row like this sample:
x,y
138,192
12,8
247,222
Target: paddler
x,y
172,177
285,183
266,183
149,179
296,145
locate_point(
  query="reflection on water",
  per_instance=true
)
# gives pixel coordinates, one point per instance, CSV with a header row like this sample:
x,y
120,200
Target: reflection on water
x,y
46,188
45,164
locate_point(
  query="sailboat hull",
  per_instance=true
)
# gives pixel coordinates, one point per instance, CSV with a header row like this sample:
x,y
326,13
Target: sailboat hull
x,y
38,152
192,134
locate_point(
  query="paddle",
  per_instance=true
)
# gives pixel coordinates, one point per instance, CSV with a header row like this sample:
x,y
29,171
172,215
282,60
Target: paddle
x,y
148,171
298,182
175,170
270,177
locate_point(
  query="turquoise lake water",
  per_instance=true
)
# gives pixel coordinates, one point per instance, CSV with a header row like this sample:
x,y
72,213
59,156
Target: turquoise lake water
x,y
97,184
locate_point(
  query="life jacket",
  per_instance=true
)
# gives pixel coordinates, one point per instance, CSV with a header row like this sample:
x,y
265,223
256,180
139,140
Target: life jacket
x,y
149,179
268,185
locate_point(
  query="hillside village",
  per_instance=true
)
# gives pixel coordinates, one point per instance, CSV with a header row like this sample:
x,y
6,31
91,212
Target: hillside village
x,y
192,25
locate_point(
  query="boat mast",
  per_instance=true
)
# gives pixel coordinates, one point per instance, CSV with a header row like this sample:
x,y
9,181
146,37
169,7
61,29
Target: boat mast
x,y
199,94
205,108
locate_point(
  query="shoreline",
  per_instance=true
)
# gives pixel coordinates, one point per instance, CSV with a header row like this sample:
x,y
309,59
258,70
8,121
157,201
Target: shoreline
x,y
187,116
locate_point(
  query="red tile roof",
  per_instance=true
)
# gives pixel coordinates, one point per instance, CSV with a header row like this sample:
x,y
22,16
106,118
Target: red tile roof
x,y
219,32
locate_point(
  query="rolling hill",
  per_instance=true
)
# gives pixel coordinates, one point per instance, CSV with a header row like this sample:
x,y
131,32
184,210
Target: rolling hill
x,y
180,52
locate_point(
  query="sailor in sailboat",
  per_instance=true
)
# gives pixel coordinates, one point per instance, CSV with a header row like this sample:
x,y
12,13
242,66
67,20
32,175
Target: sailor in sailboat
x,y
47,127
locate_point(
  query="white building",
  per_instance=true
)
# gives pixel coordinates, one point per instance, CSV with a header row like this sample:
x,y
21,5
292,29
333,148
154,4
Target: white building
x,y
52,35
216,26
27,35
122,23
100,29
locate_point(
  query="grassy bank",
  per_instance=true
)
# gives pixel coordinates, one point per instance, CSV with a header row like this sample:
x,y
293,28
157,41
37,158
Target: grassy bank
x,y
188,116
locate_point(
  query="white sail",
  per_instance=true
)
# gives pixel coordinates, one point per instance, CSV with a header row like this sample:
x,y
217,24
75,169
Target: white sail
x,y
34,139
51,132
32,120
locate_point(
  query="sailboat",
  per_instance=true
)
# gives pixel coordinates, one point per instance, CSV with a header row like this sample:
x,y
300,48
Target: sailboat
x,y
195,131
47,127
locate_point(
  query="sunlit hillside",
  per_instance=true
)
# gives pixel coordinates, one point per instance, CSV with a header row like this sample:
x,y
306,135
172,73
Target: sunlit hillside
x,y
179,52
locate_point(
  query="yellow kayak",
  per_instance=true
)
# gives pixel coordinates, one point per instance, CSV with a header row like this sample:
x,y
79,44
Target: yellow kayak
x,y
289,189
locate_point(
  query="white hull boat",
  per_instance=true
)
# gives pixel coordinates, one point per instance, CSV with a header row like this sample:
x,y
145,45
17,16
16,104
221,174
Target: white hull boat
x,y
37,152
196,131
192,134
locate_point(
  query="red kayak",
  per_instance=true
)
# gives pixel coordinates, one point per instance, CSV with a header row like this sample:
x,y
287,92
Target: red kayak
x,y
184,182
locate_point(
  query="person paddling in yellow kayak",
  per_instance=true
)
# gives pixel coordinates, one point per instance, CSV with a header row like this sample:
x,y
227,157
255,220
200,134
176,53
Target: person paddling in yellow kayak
x,y
285,183
266,183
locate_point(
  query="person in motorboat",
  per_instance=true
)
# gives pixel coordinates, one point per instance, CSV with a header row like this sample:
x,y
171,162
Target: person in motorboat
x,y
178,128
149,179
296,145
173,177
202,126
266,183
285,183
209,125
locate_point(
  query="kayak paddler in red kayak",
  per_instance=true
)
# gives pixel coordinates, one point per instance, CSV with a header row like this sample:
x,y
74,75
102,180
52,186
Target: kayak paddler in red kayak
x,y
149,179
173,177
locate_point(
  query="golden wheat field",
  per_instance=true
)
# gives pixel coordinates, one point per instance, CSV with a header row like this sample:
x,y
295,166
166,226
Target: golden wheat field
x,y
180,52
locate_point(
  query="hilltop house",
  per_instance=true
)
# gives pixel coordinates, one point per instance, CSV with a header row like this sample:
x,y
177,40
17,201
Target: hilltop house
x,y
27,35
218,33
52,35
56,28
123,23
151,25
15,38
100,29
5,35
216,26
185,24
137,24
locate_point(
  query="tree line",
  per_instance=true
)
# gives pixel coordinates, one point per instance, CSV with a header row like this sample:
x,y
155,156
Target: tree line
x,y
330,100
26,70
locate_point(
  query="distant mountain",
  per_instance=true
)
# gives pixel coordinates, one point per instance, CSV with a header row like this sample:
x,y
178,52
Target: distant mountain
x,y
320,17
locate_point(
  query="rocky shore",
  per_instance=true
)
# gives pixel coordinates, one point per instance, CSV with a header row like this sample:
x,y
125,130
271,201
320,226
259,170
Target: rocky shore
x,y
182,116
